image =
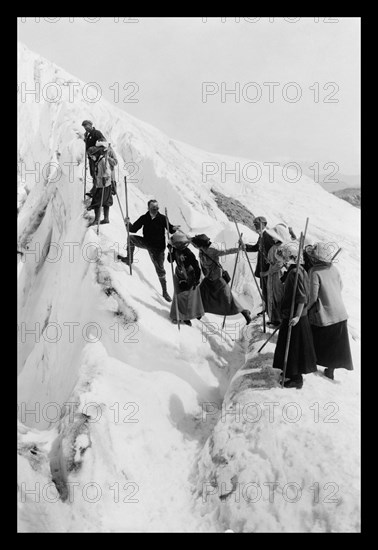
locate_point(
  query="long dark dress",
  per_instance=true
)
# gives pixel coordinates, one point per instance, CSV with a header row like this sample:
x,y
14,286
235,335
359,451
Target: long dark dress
x,y
215,292
301,357
187,274
328,318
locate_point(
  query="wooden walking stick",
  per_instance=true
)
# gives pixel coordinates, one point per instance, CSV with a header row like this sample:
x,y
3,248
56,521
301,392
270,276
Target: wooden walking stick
x,y
301,243
173,280
334,256
233,276
126,224
85,169
267,340
102,195
262,279
99,215
249,263
127,227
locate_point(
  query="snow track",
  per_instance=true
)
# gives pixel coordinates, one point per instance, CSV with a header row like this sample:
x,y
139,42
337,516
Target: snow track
x,y
123,423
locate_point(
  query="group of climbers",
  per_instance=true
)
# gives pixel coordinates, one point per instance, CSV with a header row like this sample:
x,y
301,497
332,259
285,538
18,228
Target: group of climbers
x,y
319,334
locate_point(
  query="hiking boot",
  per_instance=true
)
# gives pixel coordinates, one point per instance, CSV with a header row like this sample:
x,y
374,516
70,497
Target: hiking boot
x,y
247,315
123,259
329,374
294,384
104,221
189,323
165,294
95,222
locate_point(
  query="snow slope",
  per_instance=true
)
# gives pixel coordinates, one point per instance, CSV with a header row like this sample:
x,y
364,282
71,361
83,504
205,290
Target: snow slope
x,y
114,432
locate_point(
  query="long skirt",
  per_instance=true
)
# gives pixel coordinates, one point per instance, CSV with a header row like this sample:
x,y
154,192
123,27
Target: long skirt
x,y
332,346
107,199
301,357
217,298
274,296
189,303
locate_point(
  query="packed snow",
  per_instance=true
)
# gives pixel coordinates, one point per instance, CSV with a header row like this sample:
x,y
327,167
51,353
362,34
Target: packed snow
x,y
127,424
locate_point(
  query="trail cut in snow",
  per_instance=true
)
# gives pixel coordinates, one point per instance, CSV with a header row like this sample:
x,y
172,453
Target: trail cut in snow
x,y
126,423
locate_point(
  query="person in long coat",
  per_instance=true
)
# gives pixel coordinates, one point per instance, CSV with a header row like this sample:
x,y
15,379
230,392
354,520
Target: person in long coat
x,y
262,247
327,313
301,357
274,286
186,281
216,294
105,160
91,137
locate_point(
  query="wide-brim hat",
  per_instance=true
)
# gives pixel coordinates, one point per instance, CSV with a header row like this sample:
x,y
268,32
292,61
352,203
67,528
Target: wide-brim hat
x,y
289,252
201,240
96,151
321,251
179,240
280,233
87,122
103,144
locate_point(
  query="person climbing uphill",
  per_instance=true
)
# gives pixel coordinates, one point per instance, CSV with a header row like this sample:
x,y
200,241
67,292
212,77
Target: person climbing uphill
x,y
301,358
216,294
91,137
262,247
104,160
154,226
327,313
186,280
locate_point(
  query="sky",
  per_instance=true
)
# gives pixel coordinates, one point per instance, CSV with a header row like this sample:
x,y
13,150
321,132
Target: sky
x,y
295,81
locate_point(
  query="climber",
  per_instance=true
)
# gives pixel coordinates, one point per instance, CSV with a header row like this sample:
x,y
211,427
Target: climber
x,y
301,357
91,137
104,160
215,291
262,247
154,225
186,280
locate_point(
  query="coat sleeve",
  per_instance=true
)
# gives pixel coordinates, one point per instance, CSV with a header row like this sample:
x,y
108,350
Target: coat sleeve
x,y
134,227
112,159
164,222
253,247
301,296
268,242
314,287
171,256
195,265
227,252
99,136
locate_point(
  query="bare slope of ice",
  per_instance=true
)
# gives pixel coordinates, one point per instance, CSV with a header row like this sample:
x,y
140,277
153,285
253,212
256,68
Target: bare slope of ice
x,y
113,433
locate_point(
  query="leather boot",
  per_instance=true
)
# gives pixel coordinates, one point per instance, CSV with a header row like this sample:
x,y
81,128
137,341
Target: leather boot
x,y
125,259
97,216
247,315
106,215
166,296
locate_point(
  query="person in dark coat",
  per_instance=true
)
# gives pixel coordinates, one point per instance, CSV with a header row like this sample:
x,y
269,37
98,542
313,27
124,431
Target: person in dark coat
x,y
215,292
154,226
301,358
327,313
104,160
91,137
262,247
186,280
